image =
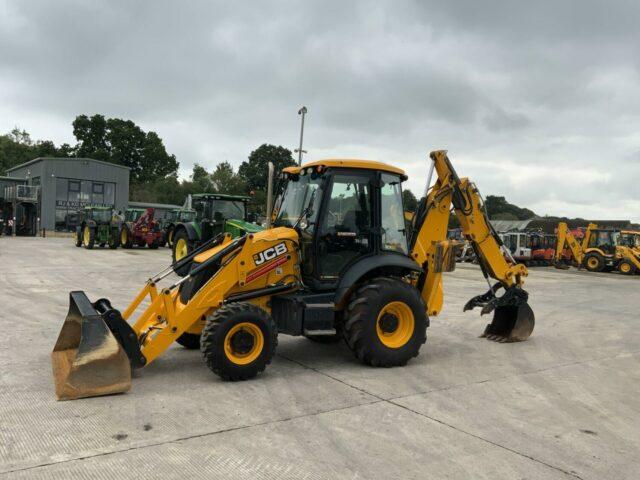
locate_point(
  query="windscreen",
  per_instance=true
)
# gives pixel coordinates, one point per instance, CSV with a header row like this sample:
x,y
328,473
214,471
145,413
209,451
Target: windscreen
x,y
295,199
102,216
229,209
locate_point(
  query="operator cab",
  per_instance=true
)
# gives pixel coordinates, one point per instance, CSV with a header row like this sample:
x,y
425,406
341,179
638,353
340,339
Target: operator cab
x,y
344,211
604,239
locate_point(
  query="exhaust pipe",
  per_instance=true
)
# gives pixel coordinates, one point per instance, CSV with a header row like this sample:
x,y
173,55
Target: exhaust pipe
x,y
269,194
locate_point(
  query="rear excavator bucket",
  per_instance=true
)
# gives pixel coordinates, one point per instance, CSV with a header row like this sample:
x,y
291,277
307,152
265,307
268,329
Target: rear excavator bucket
x,y
513,318
87,359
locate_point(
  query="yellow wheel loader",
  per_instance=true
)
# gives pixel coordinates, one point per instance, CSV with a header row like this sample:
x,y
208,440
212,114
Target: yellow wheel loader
x,y
602,249
337,263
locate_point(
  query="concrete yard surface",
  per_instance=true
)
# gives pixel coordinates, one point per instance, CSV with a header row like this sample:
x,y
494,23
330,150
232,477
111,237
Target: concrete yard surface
x,y
563,405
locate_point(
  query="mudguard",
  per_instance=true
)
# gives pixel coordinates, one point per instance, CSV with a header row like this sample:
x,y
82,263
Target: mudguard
x,y
390,263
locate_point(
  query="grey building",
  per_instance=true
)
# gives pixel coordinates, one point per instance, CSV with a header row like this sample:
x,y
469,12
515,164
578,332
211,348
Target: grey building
x,y
12,209
68,184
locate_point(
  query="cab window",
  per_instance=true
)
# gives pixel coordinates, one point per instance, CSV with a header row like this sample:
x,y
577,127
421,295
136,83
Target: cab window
x,y
392,215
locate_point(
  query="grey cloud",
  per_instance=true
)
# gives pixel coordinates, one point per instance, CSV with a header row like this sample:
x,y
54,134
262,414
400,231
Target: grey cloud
x,y
542,84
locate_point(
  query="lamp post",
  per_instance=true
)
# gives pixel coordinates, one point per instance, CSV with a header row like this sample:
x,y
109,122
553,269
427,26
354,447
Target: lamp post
x,y
299,150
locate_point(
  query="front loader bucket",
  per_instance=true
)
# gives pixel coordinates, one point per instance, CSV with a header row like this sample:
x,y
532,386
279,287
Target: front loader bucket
x,y
511,323
87,359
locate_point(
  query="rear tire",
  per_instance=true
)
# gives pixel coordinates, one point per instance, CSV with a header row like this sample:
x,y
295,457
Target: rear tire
x,y
625,267
190,341
238,341
386,322
594,262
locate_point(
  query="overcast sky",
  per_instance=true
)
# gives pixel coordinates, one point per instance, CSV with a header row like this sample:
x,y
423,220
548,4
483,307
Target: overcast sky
x,y
536,101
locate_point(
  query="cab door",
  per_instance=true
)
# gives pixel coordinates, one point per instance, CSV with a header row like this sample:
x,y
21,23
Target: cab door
x,y
345,231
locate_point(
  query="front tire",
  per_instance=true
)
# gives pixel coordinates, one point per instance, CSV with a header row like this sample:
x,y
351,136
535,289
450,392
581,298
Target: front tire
x,y
114,239
78,241
386,323
125,238
88,237
625,267
180,249
238,341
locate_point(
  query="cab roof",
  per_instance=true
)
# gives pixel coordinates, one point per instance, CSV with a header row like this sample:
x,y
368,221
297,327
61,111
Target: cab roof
x,y
348,163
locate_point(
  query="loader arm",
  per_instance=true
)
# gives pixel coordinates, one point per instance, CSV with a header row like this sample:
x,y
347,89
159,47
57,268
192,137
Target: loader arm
x,y
430,249
577,249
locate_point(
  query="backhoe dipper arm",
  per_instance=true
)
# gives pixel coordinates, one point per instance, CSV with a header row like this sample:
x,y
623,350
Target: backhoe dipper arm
x,y
429,245
577,249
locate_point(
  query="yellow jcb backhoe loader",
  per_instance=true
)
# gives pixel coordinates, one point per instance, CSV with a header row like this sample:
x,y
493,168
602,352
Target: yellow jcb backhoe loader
x,y
601,249
578,250
337,262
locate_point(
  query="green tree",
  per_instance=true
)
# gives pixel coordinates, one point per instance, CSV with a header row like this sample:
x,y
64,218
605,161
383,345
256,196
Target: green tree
x,y
123,142
16,147
409,200
254,171
201,180
498,205
91,134
225,180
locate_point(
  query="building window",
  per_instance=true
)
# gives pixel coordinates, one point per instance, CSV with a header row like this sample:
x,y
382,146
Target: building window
x,y
110,193
85,194
73,195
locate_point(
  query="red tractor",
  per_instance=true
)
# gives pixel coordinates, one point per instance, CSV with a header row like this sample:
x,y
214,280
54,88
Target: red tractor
x,y
140,228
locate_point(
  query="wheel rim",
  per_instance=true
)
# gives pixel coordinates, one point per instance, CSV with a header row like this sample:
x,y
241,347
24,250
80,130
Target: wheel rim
x,y
170,237
243,343
625,268
592,262
181,249
123,236
395,324
86,236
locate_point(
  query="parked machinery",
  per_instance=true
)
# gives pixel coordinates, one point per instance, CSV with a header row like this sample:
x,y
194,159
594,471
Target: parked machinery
x,y
215,214
631,239
602,249
176,216
97,225
519,245
140,228
337,263
542,248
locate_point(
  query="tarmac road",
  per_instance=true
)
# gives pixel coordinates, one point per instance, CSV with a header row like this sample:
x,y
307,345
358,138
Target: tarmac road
x,y
563,405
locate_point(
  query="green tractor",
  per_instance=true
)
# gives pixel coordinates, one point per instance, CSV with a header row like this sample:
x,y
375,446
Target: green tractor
x,y
97,225
176,217
214,214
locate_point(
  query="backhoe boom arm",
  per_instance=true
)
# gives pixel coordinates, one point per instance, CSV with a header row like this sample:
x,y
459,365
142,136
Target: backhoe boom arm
x,y
428,241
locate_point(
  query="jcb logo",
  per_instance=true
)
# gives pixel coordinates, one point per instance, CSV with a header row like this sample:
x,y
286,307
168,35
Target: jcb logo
x,y
270,253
